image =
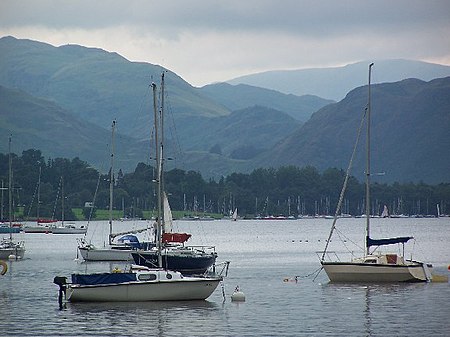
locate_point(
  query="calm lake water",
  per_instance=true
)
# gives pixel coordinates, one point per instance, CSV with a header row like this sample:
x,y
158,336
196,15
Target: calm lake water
x,y
265,257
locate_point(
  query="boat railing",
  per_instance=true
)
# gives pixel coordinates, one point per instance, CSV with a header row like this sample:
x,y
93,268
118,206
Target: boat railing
x,y
328,256
219,269
200,248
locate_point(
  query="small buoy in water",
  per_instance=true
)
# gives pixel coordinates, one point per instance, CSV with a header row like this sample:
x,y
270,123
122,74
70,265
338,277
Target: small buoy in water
x,y
449,267
238,295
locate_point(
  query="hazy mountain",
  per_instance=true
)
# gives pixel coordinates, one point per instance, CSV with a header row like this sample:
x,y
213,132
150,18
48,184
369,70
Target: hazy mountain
x,y
255,127
36,123
410,133
236,97
335,83
64,100
96,85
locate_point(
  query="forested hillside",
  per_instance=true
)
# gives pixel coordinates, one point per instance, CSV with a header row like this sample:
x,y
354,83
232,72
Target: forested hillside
x,y
263,192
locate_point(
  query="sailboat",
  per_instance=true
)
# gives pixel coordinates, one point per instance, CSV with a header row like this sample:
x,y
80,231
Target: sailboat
x,y
140,283
234,216
174,253
66,228
373,266
42,225
121,249
10,249
385,213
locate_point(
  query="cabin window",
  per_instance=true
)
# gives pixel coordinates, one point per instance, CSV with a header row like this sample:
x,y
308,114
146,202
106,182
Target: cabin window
x,y
371,261
168,276
147,277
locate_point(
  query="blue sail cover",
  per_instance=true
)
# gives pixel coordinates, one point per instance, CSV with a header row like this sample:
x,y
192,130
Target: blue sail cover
x,y
103,278
382,242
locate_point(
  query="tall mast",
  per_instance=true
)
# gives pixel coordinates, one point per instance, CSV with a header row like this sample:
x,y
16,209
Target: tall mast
x,y
111,182
39,192
161,146
158,176
62,201
10,187
368,164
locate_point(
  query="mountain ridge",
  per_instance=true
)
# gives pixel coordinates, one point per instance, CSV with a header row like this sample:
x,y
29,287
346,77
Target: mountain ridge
x,y
335,82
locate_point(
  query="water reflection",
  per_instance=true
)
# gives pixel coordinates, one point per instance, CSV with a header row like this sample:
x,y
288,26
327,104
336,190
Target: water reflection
x,y
130,318
369,309
367,313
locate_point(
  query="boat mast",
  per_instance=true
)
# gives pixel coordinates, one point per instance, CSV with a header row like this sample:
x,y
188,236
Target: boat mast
x,y
368,164
158,176
62,201
39,192
161,157
10,188
111,183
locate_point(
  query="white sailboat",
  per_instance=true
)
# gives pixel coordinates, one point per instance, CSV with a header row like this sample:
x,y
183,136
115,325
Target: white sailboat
x,y
64,227
385,213
42,225
119,250
373,266
140,283
10,249
234,216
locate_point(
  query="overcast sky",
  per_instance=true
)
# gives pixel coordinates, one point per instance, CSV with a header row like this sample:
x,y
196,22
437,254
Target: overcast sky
x,y
206,41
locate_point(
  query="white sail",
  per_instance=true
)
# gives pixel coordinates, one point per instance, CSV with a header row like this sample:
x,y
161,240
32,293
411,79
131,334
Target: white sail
x,y
168,219
234,215
385,213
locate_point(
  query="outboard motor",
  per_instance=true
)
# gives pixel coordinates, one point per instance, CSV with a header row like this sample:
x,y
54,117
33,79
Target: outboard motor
x,y
61,281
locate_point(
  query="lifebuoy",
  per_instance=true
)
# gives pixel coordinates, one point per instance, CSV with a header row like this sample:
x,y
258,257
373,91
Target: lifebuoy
x,y
5,267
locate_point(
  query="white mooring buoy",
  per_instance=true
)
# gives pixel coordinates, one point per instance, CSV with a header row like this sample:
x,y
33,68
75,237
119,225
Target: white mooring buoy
x,y
238,295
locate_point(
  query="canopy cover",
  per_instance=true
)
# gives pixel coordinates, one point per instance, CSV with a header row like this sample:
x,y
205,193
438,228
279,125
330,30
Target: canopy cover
x,y
390,241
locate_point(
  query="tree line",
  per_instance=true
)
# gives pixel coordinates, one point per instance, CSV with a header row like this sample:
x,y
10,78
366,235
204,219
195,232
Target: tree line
x,y
40,186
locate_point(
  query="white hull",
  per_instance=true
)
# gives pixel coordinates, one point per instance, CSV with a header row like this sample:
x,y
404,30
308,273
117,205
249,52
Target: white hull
x,y
38,229
5,253
373,273
144,285
139,292
68,230
105,254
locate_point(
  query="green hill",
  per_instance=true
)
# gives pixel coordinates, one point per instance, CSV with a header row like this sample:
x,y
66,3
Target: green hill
x,y
241,96
410,133
35,123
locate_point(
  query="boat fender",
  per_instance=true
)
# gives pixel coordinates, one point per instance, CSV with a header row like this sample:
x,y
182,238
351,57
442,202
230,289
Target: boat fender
x,y
4,267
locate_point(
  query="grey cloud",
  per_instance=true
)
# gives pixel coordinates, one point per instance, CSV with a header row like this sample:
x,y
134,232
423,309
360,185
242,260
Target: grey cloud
x,y
307,17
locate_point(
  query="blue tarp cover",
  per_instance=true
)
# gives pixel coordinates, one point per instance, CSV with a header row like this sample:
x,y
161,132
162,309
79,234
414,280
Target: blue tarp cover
x,y
103,278
130,240
390,241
